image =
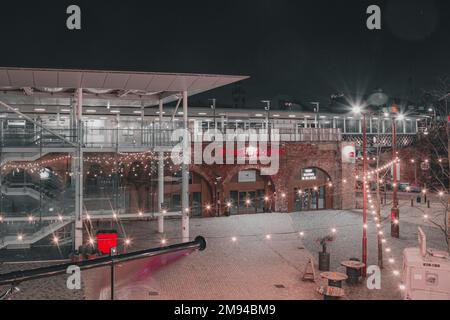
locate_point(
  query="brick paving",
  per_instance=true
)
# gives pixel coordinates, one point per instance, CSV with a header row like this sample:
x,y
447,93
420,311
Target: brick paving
x,y
348,242
254,267
250,268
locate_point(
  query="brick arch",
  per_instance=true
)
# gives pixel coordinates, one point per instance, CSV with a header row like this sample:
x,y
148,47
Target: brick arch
x,y
328,170
201,172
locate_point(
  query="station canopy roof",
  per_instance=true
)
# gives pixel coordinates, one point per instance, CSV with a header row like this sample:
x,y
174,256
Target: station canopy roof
x,y
25,86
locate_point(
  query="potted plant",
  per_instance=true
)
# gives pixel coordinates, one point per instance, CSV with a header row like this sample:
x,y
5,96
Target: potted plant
x,y
324,256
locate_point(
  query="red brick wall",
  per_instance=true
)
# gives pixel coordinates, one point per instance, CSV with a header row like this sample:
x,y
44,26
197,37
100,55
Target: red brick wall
x,y
293,158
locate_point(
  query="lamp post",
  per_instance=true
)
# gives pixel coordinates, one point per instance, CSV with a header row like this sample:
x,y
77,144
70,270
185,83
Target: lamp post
x,y
213,106
395,212
267,108
316,111
364,237
358,110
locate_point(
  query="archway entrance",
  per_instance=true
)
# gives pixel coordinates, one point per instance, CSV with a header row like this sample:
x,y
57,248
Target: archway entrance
x,y
313,191
250,193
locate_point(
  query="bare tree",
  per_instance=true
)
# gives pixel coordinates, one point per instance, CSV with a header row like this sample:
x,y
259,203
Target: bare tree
x,y
435,142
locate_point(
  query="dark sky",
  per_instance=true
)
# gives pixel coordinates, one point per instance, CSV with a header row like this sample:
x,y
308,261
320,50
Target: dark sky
x,y
304,49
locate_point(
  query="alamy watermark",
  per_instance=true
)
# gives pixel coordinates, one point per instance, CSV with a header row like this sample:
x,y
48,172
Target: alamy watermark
x,y
232,147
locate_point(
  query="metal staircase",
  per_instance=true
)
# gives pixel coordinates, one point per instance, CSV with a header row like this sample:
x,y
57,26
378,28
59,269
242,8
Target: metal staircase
x,y
14,242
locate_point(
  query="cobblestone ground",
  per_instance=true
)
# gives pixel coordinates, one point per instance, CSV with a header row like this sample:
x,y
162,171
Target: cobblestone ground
x,y
348,241
53,288
255,267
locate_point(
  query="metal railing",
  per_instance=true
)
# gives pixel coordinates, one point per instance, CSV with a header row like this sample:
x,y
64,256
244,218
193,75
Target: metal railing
x,y
13,279
13,137
150,136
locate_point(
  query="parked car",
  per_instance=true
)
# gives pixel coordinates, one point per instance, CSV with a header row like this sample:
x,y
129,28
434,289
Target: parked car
x,y
407,187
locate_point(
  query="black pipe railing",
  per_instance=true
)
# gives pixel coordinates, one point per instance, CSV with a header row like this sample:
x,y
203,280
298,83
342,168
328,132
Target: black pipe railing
x,y
16,277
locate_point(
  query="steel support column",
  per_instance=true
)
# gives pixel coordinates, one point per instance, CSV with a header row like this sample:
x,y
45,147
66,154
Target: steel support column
x,y
160,176
185,174
77,170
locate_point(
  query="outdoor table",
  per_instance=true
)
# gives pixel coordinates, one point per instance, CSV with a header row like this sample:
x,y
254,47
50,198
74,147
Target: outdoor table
x,y
334,278
353,270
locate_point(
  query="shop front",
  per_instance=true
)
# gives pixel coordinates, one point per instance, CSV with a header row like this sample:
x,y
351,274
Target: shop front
x,y
313,191
249,193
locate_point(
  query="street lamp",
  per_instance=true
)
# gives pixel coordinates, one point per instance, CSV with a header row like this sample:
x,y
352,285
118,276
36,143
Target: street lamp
x,y
316,111
395,212
213,106
267,108
357,109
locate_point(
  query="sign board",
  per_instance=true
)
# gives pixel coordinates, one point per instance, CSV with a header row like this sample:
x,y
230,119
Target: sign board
x,y
247,176
348,154
309,174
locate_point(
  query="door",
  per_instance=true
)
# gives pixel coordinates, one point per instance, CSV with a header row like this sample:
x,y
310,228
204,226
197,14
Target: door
x,y
260,202
197,204
247,202
234,197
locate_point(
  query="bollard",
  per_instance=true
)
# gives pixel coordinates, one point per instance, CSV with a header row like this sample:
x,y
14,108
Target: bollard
x,y
428,204
412,202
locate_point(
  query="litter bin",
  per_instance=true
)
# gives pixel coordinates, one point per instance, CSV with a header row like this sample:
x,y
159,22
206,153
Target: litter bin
x,y
106,240
324,261
419,199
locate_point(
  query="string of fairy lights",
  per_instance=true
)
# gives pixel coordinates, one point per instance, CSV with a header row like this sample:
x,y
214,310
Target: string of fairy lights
x,y
106,165
126,160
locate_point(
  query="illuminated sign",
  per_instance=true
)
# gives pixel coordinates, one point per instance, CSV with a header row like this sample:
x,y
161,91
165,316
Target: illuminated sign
x,y
309,174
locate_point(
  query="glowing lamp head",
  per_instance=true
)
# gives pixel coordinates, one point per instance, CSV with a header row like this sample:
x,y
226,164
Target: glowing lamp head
x,y
356,109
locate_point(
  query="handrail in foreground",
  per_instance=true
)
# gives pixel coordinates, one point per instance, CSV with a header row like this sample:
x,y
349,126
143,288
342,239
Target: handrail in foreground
x,y
16,277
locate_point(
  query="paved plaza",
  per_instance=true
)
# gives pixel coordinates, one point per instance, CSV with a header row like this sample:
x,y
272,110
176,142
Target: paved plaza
x,y
265,260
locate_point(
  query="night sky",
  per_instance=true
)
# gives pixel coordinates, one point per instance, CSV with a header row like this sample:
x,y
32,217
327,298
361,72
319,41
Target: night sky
x,y
306,50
